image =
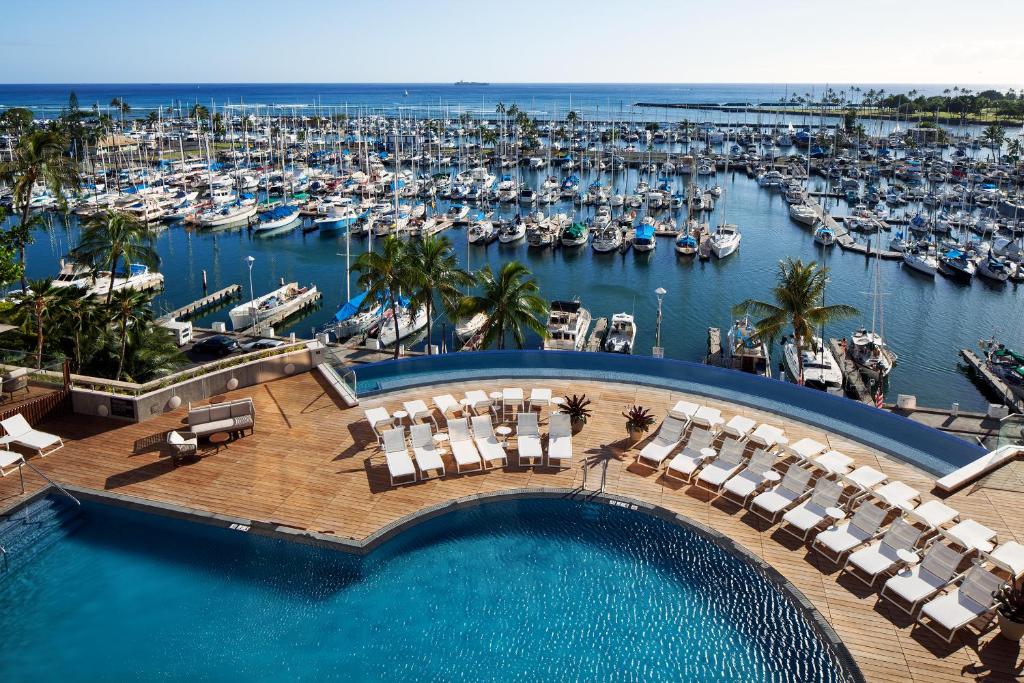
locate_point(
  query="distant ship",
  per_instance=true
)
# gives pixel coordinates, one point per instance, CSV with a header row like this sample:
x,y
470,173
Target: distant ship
x,y
470,83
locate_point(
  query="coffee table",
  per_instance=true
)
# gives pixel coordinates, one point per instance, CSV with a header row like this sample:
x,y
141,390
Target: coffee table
x,y
219,439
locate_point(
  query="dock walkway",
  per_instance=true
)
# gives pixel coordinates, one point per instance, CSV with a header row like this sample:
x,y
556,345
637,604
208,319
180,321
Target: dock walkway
x,y
217,297
996,385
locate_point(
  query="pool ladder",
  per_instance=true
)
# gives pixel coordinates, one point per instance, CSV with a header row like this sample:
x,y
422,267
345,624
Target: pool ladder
x,y
26,463
604,477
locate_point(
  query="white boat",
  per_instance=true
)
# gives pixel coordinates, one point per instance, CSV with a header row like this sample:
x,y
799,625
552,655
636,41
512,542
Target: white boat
x,y
409,323
803,214
567,326
465,329
575,235
338,217
744,350
278,217
481,232
138,277
512,231
609,238
820,369
871,355
227,215
352,319
457,213
922,260
73,275
825,236
279,304
621,336
993,268
725,240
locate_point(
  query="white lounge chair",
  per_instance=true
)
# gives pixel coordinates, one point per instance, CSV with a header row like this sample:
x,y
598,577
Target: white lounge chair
x,y
560,440
12,460
487,443
878,557
668,438
833,463
909,587
729,461
511,398
977,468
528,446
540,398
864,479
834,542
379,419
933,514
897,495
397,456
795,485
751,478
418,410
708,418
463,450
477,400
19,431
810,514
767,436
695,453
805,450
447,405
970,601
425,451
738,427
1009,557
683,411
971,536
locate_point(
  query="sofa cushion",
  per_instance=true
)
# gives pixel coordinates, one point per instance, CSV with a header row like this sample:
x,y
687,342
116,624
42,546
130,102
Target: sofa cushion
x,y
243,407
215,426
198,416
221,411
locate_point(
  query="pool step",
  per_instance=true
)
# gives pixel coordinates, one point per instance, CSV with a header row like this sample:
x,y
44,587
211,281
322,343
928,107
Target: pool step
x,y
33,528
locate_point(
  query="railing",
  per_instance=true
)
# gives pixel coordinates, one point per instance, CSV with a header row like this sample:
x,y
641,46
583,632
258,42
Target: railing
x,y
52,482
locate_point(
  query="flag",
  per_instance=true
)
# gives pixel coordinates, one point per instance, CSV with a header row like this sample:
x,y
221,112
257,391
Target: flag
x,y
879,396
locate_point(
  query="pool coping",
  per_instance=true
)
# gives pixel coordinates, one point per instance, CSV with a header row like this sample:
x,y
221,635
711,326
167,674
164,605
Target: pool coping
x,y
370,543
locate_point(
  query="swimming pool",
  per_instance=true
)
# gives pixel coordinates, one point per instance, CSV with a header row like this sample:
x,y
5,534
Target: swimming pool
x,y
512,590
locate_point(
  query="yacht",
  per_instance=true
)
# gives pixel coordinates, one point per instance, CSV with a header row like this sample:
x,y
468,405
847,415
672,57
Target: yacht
x,y
482,231
820,369
608,238
227,215
871,354
804,214
278,217
921,259
621,335
279,304
725,241
575,235
567,326
465,329
825,236
744,350
993,268
73,275
338,217
643,238
352,319
957,264
409,322
457,213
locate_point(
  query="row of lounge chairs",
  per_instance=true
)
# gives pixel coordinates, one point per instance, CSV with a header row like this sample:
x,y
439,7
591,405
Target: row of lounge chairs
x,y
875,529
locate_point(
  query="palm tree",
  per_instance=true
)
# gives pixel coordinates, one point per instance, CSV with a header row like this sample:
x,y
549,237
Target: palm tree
x,y
382,276
80,317
130,311
435,273
510,302
111,236
36,307
38,158
198,111
799,302
994,136
151,353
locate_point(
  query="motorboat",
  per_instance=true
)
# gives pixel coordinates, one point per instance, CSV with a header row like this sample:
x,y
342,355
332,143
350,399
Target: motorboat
x,y
338,218
73,275
621,335
457,213
138,277
643,238
465,329
804,214
567,326
743,349
278,217
274,305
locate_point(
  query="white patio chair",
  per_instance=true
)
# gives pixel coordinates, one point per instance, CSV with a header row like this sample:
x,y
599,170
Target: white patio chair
x,y
908,588
708,418
695,453
971,536
738,427
767,436
897,495
487,443
835,541
379,419
833,463
560,440
970,601
396,454
464,452
478,400
511,398
1009,557
805,450
418,410
19,431
668,438
683,411
879,556
809,515
729,461
540,398
528,447
933,514
795,485
447,405
425,451
751,478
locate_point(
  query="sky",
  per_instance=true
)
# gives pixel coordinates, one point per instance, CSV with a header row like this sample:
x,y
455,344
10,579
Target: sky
x,y
521,41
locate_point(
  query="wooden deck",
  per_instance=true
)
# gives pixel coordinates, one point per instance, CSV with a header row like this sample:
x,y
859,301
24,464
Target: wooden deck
x,y
313,465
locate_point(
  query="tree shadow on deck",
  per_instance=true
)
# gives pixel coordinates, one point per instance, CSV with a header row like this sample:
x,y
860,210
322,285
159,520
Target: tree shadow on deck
x,y
140,474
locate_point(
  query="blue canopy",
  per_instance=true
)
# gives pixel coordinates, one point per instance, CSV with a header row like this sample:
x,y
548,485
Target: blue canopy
x,y
645,231
350,308
954,254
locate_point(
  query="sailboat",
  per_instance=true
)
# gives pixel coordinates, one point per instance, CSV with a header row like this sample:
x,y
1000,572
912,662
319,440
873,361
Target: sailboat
x,y
727,237
869,350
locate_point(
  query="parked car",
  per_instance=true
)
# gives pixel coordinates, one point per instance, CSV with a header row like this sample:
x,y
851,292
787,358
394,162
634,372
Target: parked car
x,y
217,345
262,344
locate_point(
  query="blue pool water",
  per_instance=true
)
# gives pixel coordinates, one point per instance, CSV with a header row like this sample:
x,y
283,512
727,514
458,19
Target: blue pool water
x,y
525,590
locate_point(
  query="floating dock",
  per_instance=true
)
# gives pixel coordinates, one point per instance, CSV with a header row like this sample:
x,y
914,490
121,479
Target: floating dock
x,y
854,383
714,355
301,302
597,336
992,382
229,292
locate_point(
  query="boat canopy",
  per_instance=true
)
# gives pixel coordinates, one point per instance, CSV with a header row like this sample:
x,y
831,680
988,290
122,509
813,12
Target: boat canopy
x,y
565,306
576,230
350,307
954,254
645,232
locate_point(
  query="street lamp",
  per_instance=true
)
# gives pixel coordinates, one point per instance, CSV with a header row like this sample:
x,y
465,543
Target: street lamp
x,y
657,351
252,293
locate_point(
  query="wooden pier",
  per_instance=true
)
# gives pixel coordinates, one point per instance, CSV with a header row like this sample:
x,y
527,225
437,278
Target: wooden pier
x,y
597,336
855,386
992,382
279,315
191,309
714,355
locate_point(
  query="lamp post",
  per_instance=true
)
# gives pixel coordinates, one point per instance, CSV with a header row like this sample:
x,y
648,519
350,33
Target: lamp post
x,y
252,293
657,351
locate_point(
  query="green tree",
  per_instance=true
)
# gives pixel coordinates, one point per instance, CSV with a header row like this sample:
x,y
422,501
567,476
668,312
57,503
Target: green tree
x,y
81,319
799,296
435,274
151,353
16,120
129,312
37,158
10,269
511,302
199,111
994,136
35,308
110,236
382,275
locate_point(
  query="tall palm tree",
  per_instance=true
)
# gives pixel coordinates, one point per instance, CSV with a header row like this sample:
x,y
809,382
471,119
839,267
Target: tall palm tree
x,y
511,303
130,312
37,158
110,236
799,302
435,273
35,308
382,275
80,316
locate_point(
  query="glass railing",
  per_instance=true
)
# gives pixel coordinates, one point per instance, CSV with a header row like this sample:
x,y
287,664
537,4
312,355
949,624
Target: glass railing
x,y
930,449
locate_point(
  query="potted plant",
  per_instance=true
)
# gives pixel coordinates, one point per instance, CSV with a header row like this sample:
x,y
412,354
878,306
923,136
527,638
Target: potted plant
x,y
1010,611
638,422
576,407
